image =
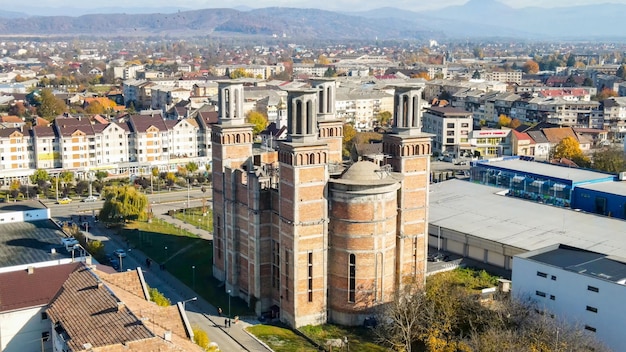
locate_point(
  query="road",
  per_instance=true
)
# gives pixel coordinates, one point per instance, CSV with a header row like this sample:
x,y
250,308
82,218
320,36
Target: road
x,y
200,312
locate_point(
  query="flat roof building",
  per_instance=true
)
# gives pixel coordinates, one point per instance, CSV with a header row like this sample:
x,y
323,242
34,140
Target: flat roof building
x,y
581,286
480,222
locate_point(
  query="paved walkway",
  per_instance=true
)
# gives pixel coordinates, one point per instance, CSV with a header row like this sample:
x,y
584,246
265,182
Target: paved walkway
x,y
200,312
185,226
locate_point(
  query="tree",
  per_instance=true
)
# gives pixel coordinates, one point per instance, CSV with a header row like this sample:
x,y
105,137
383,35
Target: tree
x,y
192,167
400,323
478,52
39,176
348,135
258,121
157,297
515,123
531,66
101,175
569,148
81,187
605,93
476,75
322,60
95,108
609,160
571,60
504,121
123,203
49,106
330,72
384,118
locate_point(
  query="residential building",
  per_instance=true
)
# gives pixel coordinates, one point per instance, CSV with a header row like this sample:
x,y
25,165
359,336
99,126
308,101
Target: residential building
x,y
302,262
451,127
24,298
580,286
615,117
150,139
16,150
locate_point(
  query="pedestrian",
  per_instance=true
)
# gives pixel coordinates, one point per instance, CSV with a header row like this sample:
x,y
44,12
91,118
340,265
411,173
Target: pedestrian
x,y
225,323
228,322
219,311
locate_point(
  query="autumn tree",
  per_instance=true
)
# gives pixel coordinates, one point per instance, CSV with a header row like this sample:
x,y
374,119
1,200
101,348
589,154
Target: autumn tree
x,y
605,93
569,148
504,121
348,135
609,160
123,203
322,60
49,106
384,118
95,108
258,121
531,66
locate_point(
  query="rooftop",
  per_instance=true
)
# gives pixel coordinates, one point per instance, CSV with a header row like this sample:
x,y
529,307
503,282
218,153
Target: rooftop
x,y
581,261
23,243
24,289
21,206
548,170
482,214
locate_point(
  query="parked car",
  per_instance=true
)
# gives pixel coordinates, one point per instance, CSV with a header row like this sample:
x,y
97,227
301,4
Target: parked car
x,y
438,257
90,199
65,200
119,253
114,263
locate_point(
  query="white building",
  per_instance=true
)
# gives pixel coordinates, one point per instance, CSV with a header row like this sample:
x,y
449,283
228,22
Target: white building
x,y
451,127
580,286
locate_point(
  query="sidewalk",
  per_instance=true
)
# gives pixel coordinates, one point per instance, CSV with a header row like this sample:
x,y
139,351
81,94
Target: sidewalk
x,y
159,278
185,226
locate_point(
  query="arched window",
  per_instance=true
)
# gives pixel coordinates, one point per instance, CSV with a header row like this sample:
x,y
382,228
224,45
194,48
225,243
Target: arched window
x,y
352,278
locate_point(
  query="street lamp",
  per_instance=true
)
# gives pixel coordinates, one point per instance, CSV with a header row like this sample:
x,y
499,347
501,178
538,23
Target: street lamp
x,y
193,273
189,300
119,255
228,308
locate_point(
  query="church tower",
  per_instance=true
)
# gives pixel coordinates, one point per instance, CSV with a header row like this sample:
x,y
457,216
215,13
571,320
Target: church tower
x,y
303,214
409,152
231,141
330,127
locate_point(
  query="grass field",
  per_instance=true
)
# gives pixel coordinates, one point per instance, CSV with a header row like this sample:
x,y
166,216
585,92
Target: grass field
x,y
359,338
281,339
181,250
194,216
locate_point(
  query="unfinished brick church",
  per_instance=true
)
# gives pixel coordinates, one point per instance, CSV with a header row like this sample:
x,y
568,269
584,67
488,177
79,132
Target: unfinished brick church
x,y
305,235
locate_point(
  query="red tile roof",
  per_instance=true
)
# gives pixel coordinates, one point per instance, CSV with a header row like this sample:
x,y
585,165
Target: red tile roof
x,y
19,289
89,313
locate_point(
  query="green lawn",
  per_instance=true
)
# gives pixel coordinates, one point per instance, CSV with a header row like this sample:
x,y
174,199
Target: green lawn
x,y
194,216
359,338
281,339
184,250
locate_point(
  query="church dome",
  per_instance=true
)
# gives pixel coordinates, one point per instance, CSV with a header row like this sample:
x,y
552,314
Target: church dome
x,y
363,171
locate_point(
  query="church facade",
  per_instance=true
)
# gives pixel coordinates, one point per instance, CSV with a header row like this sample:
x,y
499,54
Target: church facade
x,y
300,233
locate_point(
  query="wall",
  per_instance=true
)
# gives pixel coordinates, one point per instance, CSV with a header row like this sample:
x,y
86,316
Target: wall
x,y
21,331
585,199
571,298
19,216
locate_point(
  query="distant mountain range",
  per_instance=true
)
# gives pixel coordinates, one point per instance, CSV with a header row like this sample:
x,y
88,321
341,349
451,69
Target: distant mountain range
x,y
475,19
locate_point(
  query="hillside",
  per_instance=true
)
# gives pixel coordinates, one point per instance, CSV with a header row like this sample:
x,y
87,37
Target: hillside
x,y
294,23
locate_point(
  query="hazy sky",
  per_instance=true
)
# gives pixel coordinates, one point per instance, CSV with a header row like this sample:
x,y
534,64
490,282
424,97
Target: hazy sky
x,y
346,5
